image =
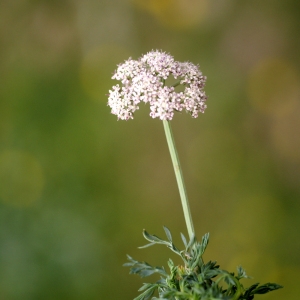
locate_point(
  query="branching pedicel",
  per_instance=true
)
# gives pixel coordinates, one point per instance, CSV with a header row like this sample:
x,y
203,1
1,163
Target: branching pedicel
x,y
144,80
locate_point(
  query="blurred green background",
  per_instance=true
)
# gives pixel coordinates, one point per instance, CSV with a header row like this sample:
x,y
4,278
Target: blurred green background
x,y
77,186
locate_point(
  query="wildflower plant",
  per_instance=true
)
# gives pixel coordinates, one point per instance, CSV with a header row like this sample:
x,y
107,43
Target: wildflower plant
x,y
148,80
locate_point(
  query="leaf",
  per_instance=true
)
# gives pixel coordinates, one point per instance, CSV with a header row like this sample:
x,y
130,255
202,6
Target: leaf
x,y
170,264
249,290
184,240
241,273
145,246
168,234
145,273
152,238
148,293
191,242
210,270
156,240
145,286
204,242
265,288
129,264
143,269
229,279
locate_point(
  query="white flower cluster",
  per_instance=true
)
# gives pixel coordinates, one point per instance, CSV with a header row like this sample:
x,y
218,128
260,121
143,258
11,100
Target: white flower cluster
x,y
143,80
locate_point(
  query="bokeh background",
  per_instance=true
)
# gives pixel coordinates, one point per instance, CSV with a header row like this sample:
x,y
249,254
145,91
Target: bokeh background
x,y
77,186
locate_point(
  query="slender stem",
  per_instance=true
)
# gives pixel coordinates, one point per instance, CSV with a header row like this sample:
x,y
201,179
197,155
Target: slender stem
x,y
238,291
179,178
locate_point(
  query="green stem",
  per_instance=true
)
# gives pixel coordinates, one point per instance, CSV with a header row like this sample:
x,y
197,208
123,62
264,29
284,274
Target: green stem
x,y
179,178
238,291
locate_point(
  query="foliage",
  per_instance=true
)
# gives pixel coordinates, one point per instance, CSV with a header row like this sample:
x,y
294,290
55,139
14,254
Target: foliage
x,y
194,279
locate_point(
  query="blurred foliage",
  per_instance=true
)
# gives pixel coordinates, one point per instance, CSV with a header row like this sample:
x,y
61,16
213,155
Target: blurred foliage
x,y
77,187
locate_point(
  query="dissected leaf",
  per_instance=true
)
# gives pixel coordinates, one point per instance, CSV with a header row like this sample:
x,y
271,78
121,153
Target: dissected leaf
x,y
152,238
204,242
193,279
147,293
241,273
265,288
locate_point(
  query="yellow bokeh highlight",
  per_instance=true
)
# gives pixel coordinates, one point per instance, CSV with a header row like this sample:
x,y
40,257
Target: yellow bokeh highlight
x,y
97,67
21,178
273,87
274,90
176,14
285,135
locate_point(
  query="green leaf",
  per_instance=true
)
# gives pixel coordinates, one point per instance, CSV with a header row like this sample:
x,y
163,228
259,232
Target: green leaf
x,y
204,242
170,263
241,273
143,269
248,292
156,240
148,293
145,286
168,234
229,278
146,246
184,240
191,242
152,238
145,273
265,288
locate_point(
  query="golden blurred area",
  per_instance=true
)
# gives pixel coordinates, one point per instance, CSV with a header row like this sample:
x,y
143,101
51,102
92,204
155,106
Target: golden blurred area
x,y
274,87
176,14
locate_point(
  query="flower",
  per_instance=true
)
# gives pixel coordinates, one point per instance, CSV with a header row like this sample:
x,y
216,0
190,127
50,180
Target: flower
x,y
144,80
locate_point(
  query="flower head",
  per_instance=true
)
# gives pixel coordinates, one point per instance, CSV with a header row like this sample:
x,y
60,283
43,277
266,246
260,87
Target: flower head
x,y
144,80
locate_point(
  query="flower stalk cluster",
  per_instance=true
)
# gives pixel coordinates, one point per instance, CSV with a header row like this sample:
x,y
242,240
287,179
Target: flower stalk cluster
x,y
144,80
